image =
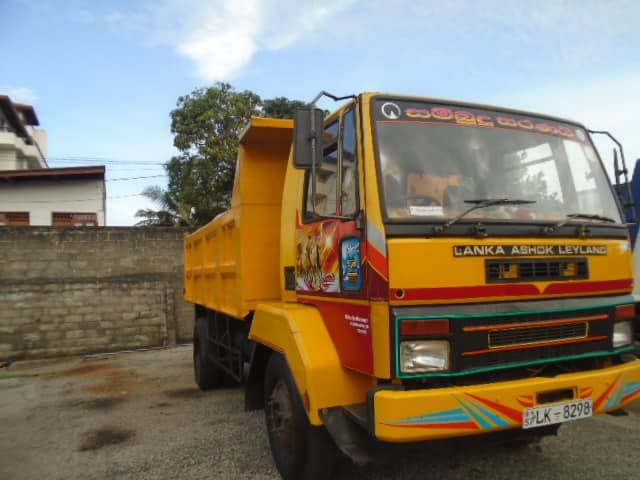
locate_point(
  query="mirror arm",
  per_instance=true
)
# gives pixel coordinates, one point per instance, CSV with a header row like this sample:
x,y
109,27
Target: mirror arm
x,y
629,203
335,98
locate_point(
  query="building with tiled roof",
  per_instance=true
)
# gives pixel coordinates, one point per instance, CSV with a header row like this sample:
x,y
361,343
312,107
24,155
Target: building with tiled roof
x,y
22,144
31,193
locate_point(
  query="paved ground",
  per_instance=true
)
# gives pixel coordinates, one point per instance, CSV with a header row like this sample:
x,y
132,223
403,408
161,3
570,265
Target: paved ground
x,y
139,416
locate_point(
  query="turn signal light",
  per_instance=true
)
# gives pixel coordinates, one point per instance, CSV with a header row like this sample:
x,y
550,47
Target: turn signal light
x,y
425,328
625,311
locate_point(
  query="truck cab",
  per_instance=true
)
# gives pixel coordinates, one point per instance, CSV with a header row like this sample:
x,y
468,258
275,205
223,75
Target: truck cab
x,y
445,269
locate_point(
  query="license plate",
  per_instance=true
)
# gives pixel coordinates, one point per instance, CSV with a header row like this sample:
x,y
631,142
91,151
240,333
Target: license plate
x,y
558,413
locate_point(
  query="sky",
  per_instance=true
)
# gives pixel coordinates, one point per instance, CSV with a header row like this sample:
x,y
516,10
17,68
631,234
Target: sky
x,y
104,76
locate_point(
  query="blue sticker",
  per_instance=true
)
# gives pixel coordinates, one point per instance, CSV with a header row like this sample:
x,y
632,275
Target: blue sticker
x,y
351,265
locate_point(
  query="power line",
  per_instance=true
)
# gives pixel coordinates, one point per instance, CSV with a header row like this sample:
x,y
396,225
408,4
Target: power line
x,y
126,196
118,168
81,157
68,158
90,158
78,199
125,166
105,161
133,178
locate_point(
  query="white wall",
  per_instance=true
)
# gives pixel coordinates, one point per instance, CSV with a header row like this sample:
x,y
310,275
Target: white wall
x,y
13,149
43,197
7,158
40,137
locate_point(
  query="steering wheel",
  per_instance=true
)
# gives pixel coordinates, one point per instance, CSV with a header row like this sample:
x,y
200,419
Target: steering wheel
x,y
423,201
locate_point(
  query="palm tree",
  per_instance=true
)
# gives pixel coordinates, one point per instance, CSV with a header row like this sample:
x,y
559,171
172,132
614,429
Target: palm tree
x,y
170,214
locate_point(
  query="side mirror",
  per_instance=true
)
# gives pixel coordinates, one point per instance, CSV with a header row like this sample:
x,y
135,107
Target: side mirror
x,y
307,137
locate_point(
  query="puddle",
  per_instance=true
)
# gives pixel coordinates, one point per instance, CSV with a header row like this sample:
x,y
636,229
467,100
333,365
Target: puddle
x,y
104,437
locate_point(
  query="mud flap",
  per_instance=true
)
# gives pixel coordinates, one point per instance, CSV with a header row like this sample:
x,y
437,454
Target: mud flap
x,y
350,438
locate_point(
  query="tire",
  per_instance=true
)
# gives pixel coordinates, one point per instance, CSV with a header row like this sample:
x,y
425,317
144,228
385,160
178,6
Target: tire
x,y
207,374
300,451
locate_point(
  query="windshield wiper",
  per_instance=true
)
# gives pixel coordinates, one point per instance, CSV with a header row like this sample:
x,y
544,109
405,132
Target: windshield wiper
x,y
573,216
481,203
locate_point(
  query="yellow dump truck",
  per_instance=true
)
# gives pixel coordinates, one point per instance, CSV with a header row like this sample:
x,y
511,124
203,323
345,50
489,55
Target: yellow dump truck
x,y
408,269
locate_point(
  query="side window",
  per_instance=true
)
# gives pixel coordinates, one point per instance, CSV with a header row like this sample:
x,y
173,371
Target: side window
x,y
326,175
349,165
337,150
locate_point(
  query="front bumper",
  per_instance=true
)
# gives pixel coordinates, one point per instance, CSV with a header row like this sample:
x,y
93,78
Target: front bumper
x,y
415,415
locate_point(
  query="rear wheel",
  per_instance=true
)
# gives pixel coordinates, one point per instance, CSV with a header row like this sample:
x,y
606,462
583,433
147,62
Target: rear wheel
x,y
207,374
300,451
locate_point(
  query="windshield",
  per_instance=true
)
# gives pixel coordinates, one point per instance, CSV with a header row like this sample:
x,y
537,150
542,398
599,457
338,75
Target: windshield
x,y
433,158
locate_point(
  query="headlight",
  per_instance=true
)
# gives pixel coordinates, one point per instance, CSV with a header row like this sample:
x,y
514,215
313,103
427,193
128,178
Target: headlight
x,y
424,356
622,334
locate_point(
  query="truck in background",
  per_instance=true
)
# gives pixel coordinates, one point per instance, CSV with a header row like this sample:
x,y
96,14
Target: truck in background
x,y
408,269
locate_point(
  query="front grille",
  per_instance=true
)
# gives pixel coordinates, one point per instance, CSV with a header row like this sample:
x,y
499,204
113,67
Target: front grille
x,y
506,334
483,341
524,336
536,270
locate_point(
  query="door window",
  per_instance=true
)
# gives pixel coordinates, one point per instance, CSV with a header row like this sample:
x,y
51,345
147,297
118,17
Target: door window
x,y
349,190
339,156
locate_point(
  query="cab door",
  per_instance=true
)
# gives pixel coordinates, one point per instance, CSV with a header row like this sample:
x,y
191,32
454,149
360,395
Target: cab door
x,y
330,244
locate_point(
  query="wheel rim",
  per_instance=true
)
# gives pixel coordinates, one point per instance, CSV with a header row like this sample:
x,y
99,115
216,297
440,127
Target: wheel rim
x,y
279,410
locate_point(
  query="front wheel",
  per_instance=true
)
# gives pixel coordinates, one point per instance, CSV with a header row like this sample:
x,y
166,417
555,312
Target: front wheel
x,y
300,450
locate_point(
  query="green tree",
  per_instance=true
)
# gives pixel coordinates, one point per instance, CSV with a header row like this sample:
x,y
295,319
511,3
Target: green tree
x,y
206,125
281,107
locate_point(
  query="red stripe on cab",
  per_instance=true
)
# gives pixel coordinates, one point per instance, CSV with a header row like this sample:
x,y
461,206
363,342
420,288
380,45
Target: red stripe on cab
x,y
589,287
442,293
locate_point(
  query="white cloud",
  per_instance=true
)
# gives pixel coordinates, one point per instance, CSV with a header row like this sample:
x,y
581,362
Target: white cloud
x,y
221,37
226,41
286,22
20,94
230,33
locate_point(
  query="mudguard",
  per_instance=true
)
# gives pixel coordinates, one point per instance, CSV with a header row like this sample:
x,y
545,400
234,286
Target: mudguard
x,y
298,332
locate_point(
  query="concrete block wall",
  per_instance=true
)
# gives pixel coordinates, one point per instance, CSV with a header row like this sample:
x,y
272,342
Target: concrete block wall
x,y
66,291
